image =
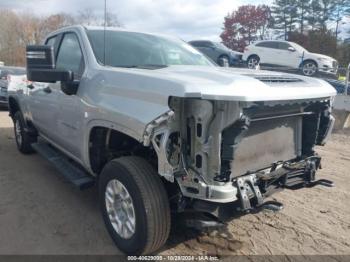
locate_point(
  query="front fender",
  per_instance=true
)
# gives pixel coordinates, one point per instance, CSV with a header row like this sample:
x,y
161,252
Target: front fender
x,y
107,124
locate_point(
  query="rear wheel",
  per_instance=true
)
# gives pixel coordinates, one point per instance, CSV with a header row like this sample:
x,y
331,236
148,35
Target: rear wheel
x,y
22,137
134,205
253,62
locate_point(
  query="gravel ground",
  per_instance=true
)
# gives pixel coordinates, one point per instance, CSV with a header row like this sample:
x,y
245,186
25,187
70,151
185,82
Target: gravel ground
x,y
40,213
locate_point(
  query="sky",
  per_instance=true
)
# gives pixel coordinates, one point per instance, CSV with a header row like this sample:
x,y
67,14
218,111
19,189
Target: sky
x,y
187,19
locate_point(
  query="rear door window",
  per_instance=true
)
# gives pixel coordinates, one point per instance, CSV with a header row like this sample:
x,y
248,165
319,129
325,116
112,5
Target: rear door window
x,y
207,44
196,44
283,45
268,44
202,44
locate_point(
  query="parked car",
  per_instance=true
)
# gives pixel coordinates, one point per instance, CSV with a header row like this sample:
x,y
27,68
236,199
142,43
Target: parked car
x,y
5,78
18,83
218,52
160,128
290,55
340,86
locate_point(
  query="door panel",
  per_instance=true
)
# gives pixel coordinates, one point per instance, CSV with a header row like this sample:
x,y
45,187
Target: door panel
x,y
210,52
268,52
42,103
43,107
208,49
70,114
69,124
262,53
290,58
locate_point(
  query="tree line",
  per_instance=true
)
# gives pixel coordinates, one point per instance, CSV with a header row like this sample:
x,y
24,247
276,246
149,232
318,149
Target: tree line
x,y
314,24
20,29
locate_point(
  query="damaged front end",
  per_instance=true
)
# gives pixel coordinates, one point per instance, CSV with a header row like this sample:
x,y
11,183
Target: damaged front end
x,y
226,156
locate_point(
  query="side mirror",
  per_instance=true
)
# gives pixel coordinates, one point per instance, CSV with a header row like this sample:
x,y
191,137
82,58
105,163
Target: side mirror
x,y
41,66
291,49
70,88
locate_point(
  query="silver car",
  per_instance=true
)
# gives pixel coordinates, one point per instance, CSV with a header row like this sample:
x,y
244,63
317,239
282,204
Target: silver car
x,y
161,129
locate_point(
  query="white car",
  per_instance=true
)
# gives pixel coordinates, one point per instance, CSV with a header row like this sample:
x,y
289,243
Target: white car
x,y
18,82
289,55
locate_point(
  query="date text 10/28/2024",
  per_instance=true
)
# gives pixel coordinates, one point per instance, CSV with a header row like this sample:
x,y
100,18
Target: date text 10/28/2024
x,y
173,258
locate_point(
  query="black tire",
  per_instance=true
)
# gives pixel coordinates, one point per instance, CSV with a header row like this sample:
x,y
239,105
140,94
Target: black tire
x,y
253,61
223,59
23,139
149,199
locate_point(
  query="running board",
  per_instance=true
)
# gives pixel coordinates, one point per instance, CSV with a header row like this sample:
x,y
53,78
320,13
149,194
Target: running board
x,y
71,171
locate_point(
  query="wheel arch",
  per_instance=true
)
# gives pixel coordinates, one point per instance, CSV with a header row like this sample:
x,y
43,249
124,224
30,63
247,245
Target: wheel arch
x,y
13,106
250,56
106,141
308,60
223,55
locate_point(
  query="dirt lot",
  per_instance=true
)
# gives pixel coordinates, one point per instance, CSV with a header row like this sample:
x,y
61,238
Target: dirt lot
x,y
40,213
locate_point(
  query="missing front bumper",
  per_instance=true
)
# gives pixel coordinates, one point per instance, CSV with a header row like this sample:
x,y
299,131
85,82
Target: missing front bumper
x,y
253,189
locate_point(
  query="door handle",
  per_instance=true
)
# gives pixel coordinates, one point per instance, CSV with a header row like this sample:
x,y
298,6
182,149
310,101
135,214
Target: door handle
x,y
47,90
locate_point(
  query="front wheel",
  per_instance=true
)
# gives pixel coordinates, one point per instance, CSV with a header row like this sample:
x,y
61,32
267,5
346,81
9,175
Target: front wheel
x,y
134,205
309,68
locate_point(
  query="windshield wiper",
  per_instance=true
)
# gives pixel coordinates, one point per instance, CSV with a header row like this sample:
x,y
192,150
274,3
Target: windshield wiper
x,y
146,66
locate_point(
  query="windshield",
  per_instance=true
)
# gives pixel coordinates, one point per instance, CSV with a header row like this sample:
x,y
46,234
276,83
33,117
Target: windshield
x,y
130,49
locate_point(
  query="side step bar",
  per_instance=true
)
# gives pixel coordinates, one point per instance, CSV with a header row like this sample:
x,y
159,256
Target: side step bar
x,y
71,171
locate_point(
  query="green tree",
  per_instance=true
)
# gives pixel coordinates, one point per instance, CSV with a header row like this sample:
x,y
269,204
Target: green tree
x,y
313,15
343,55
303,9
342,9
327,11
285,15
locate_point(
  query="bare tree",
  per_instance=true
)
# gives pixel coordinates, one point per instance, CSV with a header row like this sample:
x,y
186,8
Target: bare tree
x,y
90,17
113,20
54,22
11,45
20,29
87,17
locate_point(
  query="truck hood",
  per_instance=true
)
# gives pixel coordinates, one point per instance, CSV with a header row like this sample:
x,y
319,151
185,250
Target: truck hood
x,y
218,83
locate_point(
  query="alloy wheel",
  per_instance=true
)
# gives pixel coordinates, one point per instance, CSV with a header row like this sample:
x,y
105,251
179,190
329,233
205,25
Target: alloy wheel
x,y
253,63
309,69
18,132
120,209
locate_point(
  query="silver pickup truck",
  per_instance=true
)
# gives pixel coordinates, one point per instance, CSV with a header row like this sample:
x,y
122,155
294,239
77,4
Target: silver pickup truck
x,y
162,130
